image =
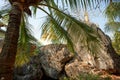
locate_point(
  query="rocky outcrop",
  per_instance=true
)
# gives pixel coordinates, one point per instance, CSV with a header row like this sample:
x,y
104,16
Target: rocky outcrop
x,y
53,62
48,64
106,59
53,59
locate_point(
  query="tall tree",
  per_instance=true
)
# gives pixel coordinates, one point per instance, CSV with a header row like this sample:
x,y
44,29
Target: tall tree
x,y
8,54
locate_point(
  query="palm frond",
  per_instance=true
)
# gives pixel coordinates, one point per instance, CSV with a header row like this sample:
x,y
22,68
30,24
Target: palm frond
x,y
116,42
113,11
112,26
24,43
81,4
48,31
34,10
60,31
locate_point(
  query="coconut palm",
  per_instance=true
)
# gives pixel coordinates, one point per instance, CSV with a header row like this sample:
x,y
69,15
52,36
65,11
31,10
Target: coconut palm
x,y
8,54
16,18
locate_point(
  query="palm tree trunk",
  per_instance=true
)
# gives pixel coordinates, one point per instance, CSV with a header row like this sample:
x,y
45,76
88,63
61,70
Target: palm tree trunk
x,y
8,54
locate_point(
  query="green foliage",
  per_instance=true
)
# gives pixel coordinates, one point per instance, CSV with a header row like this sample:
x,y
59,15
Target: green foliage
x,y
112,26
91,77
113,10
112,13
81,4
26,43
87,77
25,53
116,42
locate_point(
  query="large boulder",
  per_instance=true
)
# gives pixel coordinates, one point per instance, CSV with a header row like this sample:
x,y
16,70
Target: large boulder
x,y
53,58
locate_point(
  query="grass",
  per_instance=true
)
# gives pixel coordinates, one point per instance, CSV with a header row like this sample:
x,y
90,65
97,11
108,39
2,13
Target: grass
x,y
87,77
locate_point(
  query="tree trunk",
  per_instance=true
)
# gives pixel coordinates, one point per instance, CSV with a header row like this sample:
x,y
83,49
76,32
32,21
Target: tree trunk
x,y
8,54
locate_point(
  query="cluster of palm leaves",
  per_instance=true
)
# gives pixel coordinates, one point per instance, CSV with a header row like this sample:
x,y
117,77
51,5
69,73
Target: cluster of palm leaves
x,y
113,25
58,23
116,42
113,16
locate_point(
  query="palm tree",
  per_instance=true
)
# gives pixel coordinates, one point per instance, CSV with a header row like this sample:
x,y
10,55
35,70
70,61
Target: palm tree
x,y
8,54
10,46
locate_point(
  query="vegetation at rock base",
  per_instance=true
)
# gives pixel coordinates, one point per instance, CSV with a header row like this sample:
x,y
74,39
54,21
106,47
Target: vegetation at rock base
x,y
87,77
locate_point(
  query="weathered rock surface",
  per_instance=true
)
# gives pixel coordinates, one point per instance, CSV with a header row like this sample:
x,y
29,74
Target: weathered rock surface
x,y
29,71
53,59
76,68
106,58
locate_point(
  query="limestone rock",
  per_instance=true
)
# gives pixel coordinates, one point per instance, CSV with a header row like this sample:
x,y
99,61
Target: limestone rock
x,y
76,68
106,59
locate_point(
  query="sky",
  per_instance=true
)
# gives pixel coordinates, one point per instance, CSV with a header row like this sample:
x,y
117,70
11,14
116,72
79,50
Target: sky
x,y
95,16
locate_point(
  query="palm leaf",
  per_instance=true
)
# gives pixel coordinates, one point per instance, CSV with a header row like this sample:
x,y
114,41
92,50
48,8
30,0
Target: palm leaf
x,y
24,43
112,26
60,32
81,4
116,42
113,11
